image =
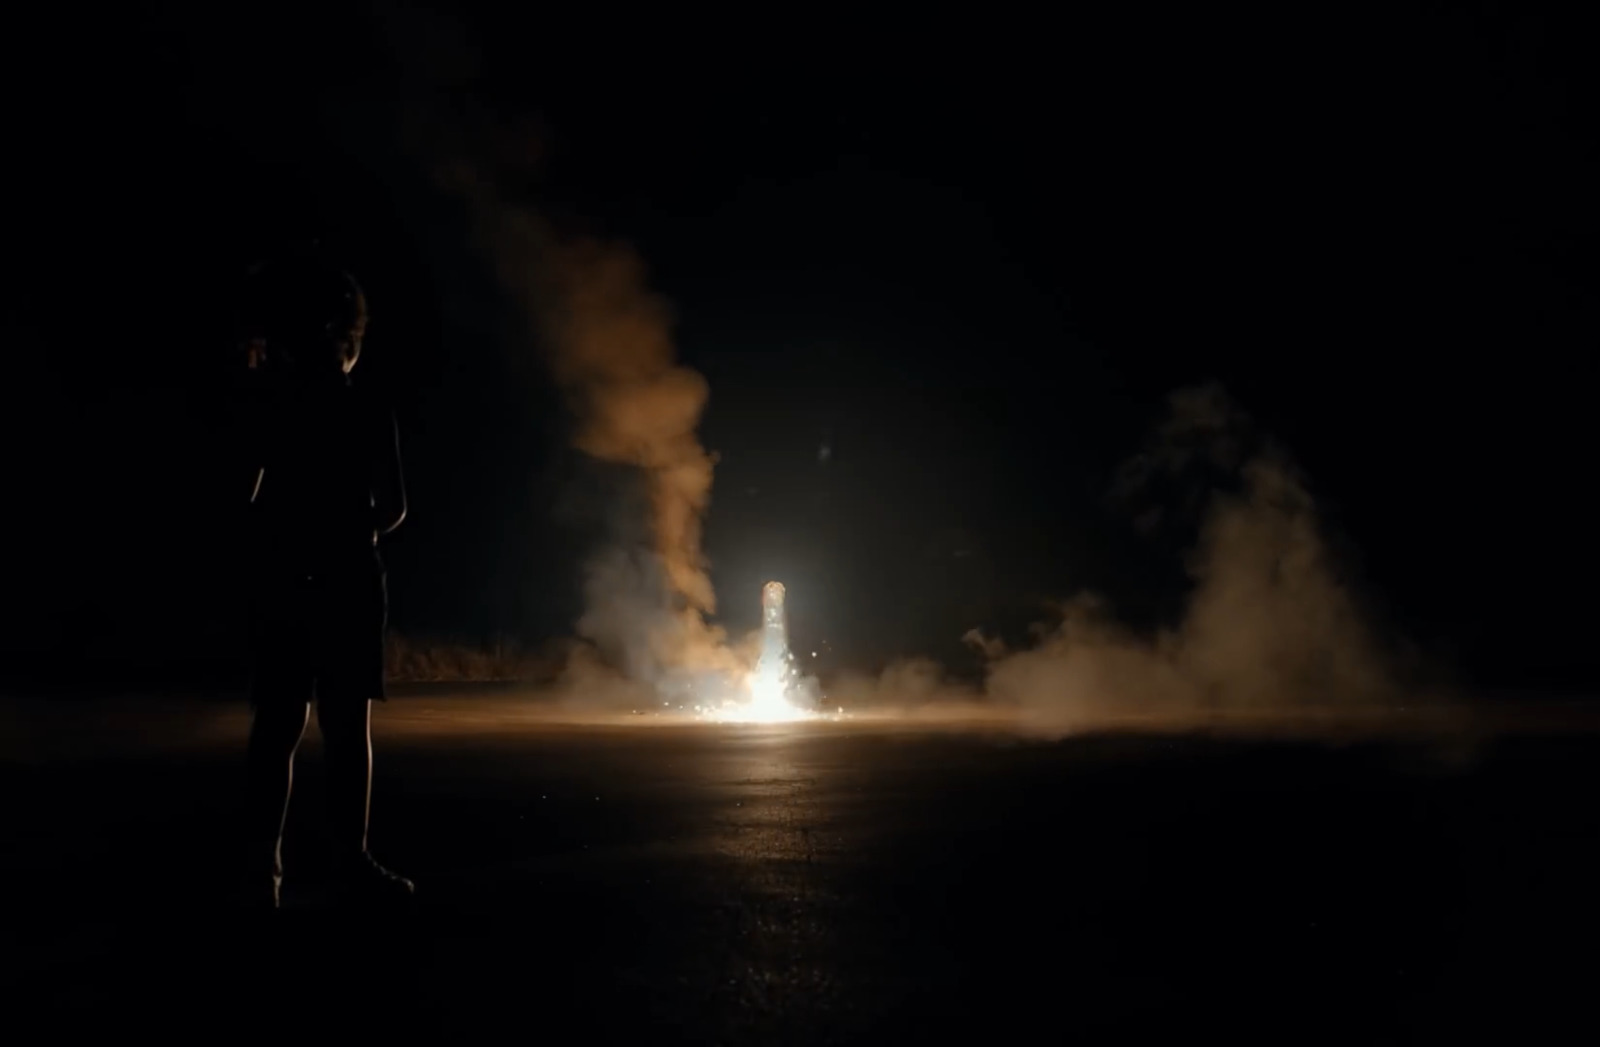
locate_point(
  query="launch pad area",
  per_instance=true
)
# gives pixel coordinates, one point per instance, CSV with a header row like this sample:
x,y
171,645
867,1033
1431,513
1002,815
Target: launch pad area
x,y
816,882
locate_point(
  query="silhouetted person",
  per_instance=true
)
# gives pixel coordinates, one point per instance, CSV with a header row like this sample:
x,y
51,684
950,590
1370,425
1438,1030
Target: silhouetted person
x,y
325,483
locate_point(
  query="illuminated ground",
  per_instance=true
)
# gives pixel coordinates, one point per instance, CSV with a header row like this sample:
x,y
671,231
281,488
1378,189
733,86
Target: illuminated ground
x,y
810,883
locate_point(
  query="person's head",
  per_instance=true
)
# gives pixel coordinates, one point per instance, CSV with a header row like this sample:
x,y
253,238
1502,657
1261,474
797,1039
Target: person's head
x,y
304,317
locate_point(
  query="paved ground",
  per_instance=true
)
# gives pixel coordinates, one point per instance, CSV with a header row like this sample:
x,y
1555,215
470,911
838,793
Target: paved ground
x,y
829,883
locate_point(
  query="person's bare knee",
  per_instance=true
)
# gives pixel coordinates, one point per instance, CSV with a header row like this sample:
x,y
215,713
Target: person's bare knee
x,y
344,725
277,727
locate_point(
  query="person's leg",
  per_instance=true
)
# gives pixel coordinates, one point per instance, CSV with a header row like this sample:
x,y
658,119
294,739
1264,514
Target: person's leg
x,y
281,689
350,678
274,736
347,742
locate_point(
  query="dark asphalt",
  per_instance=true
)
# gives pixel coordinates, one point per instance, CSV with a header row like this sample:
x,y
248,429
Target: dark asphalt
x,y
824,883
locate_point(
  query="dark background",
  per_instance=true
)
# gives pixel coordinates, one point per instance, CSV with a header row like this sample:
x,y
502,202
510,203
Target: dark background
x,y
969,258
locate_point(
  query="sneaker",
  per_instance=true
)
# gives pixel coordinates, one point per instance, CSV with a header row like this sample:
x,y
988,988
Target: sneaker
x,y
367,882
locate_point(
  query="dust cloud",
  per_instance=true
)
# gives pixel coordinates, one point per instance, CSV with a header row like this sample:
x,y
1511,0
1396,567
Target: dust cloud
x,y
587,313
608,342
1271,631
1272,626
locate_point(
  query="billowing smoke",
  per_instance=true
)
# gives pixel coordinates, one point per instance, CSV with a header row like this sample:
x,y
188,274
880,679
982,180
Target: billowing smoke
x,y
608,341
586,309
611,350
1271,625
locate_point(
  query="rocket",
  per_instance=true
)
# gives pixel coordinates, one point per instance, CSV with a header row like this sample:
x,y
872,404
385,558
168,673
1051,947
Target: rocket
x,y
774,627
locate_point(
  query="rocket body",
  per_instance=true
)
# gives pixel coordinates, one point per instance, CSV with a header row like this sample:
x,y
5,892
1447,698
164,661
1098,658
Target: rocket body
x,y
776,663
775,628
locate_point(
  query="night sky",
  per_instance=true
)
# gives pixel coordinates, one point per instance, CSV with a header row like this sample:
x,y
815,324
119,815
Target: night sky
x,y
940,281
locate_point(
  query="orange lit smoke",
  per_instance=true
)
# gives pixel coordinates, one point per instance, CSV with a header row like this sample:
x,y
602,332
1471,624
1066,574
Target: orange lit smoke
x,y
607,339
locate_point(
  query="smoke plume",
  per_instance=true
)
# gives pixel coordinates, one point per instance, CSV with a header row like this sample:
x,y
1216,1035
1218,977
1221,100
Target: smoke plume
x,y
1270,627
585,305
608,342
1270,624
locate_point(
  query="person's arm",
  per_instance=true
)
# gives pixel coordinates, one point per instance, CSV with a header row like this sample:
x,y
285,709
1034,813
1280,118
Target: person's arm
x,y
389,484
248,438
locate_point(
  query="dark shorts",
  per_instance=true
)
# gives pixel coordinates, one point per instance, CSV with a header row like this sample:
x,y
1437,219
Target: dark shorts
x,y
318,636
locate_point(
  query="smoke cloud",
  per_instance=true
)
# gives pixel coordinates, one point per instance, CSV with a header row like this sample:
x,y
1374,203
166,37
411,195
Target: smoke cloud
x,y
1271,623
608,342
1271,626
587,311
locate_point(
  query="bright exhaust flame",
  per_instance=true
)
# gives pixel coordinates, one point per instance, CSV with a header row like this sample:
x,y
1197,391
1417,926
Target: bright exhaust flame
x,y
772,691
